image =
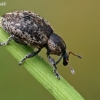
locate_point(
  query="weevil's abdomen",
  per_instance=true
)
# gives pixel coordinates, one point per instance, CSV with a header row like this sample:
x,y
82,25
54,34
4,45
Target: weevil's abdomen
x,y
27,27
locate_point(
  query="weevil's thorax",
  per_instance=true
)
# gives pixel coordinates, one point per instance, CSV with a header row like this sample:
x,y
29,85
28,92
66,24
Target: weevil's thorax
x,y
56,45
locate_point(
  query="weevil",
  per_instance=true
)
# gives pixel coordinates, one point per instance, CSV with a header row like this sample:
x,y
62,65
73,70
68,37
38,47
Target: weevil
x,y
29,28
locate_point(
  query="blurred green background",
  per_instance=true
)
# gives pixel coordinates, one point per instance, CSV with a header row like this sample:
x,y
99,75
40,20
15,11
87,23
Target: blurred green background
x,y
78,23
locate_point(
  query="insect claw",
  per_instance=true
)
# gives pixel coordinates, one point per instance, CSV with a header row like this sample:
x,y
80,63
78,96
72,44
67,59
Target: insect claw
x,y
20,63
58,77
2,43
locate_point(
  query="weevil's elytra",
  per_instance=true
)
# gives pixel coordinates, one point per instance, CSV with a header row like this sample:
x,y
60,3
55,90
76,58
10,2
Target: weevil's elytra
x,y
28,28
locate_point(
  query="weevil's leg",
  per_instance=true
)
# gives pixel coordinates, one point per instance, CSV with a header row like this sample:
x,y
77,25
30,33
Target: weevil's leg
x,y
52,62
59,60
8,41
32,54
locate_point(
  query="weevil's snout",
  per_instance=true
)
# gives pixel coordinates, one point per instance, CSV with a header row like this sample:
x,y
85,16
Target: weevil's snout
x,y
65,62
65,59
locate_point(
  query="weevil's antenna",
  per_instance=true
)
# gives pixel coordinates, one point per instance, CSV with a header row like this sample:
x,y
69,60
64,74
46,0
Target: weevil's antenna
x,y
75,55
71,69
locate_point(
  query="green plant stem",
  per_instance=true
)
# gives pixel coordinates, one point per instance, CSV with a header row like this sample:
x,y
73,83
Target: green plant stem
x,y
42,71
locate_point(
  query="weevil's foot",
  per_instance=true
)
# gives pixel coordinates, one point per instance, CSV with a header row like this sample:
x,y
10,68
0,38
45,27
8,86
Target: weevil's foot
x,y
0,44
3,43
56,74
58,77
20,63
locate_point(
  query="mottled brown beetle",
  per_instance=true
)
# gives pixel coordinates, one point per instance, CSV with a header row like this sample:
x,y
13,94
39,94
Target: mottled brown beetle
x,y
28,28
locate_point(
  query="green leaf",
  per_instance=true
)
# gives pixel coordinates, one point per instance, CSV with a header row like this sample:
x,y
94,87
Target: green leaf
x,y
42,71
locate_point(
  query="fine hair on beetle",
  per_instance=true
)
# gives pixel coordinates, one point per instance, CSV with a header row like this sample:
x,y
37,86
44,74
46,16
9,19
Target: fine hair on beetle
x,y
29,28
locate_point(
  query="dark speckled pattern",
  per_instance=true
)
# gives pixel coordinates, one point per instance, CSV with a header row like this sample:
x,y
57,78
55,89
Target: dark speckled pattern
x,y
31,29
28,27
